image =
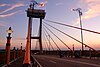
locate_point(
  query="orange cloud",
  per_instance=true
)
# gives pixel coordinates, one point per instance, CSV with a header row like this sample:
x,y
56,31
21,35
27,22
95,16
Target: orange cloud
x,y
12,7
92,11
41,4
2,5
10,14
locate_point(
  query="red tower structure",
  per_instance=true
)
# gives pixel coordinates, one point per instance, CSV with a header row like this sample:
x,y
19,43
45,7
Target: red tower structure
x,y
9,31
33,13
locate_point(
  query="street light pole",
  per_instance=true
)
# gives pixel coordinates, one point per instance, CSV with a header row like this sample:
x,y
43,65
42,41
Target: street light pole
x,y
49,42
9,31
73,50
21,50
80,14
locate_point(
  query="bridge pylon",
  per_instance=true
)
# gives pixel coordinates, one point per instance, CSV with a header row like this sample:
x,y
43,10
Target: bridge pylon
x,y
33,13
36,13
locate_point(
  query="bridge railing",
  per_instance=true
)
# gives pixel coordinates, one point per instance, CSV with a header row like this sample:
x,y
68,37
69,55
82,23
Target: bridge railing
x,y
14,54
34,62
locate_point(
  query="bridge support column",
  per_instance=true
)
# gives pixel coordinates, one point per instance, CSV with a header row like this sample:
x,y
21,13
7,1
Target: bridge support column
x,y
8,50
33,13
14,53
40,36
20,53
26,62
73,51
90,53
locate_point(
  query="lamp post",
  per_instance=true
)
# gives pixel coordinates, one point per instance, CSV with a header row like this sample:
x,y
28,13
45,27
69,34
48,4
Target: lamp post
x,y
49,42
14,53
80,14
9,31
73,50
20,50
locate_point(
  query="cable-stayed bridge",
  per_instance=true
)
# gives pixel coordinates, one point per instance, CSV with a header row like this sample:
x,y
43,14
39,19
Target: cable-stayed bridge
x,y
46,55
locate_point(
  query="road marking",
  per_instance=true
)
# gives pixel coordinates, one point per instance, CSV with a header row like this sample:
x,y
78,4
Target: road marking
x,y
84,63
36,61
52,61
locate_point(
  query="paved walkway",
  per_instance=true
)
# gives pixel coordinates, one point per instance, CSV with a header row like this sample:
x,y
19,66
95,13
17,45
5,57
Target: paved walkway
x,y
17,63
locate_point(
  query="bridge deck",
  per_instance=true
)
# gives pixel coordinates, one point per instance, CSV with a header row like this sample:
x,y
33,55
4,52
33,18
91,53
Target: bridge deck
x,y
48,61
54,61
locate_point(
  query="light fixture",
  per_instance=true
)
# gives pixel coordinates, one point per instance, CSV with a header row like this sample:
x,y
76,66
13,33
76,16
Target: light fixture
x,y
9,31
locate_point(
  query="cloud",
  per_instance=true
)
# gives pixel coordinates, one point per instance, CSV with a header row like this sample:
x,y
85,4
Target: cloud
x,y
46,1
76,22
10,14
2,25
2,5
93,10
41,4
12,7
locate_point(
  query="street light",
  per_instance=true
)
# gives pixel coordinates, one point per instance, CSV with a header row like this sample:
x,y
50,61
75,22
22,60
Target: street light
x,y
21,46
73,50
80,14
21,50
9,31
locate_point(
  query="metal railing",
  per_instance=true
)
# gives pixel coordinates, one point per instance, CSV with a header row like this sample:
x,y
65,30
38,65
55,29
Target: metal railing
x,y
34,62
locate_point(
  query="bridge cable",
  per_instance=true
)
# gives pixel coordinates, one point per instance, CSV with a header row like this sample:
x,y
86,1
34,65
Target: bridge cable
x,y
46,45
49,42
36,46
73,26
59,39
46,42
52,39
71,37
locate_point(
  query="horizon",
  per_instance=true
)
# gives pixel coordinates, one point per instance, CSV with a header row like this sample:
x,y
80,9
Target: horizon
x,y
12,14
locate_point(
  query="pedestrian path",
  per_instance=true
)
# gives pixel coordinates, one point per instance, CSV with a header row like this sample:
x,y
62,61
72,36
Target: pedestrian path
x,y
16,63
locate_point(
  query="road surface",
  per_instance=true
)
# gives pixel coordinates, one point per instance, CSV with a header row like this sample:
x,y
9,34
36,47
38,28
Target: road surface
x,y
51,61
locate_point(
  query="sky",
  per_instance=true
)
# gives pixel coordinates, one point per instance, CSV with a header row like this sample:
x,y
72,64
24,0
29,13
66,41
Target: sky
x,y
12,14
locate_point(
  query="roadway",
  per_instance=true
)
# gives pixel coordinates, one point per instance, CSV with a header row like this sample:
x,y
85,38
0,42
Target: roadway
x,y
54,61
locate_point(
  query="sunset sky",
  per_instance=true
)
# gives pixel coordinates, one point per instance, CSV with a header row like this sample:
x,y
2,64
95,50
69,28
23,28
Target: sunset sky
x,y
12,13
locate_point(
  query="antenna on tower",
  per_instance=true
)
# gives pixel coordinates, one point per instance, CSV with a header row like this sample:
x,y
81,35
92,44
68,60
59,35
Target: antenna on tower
x,y
33,2
36,3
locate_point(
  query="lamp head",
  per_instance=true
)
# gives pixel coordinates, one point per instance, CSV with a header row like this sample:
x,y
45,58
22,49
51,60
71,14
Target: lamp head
x,y
78,9
9,31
